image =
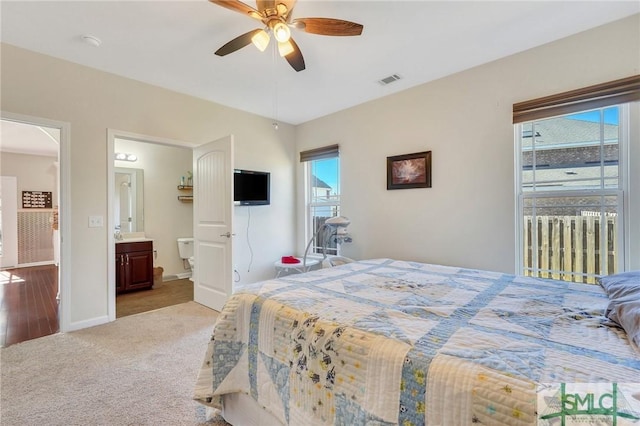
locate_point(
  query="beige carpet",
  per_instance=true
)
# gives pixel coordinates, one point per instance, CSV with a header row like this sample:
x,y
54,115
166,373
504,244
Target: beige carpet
x,y
137,370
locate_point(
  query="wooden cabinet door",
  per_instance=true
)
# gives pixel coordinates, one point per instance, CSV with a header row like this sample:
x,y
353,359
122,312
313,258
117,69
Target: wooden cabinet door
x,y
134,266
139,270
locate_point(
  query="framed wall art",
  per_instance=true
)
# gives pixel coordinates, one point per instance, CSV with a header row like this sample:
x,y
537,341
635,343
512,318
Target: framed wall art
x,y
409,171
36,200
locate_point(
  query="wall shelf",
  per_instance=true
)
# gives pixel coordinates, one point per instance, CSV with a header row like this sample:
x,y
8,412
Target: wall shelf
x,y
185,198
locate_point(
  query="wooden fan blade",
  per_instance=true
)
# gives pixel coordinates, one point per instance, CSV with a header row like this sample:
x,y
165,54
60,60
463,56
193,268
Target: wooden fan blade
x,y
295,58
237,43
328,26
238,6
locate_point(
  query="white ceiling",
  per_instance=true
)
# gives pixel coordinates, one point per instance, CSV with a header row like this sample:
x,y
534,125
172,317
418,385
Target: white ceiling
x,y
171,44
23,138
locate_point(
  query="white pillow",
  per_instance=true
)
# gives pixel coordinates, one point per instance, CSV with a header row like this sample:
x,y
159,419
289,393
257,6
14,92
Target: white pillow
x,y
623,290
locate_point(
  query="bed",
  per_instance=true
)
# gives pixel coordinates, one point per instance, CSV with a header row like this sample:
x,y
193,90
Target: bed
x,y
388,342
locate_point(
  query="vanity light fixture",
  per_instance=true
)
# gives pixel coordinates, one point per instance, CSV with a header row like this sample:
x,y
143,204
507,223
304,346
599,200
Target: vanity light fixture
x,y
121,156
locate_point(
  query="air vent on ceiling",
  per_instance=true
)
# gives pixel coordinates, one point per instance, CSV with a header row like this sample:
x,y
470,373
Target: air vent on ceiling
x,y
390,79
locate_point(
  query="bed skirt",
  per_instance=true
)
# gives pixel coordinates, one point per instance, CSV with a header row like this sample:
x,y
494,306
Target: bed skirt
x,y
241,410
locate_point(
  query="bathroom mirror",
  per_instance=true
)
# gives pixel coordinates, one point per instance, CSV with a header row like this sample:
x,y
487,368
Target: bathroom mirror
x,y
129,199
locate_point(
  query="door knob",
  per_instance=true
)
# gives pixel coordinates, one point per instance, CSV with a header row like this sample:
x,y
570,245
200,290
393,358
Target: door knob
x,y
228,235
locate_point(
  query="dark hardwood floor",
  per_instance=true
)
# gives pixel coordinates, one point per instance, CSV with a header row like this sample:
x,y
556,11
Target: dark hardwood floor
x,y
28,305
29,309
167,294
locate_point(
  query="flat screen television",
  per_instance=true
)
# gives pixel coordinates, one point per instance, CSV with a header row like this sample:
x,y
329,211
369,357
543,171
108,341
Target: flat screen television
x,y
251,188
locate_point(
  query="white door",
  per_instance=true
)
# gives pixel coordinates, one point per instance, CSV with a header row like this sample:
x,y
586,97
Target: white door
x,y
9,222
212,222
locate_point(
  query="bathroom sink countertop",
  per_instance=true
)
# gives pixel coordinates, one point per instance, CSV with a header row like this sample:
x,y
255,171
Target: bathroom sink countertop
x,y
132,237
133,240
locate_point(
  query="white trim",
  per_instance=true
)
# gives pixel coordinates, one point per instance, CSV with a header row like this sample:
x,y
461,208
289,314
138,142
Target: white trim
x,y
572,193
112,134
632,202
79,325
625,172
9,258
64,218
166,279
324,203
28,265
519,228
137,137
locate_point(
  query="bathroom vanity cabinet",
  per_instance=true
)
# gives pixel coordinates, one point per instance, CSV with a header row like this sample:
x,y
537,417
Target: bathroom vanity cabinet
x,y
134,266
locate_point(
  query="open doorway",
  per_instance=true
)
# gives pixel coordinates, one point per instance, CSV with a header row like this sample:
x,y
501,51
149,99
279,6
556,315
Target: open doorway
x,y
147,203
29,230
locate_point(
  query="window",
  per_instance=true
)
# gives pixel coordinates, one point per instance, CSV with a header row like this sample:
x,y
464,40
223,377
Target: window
x,y
322,178
571,149
571,201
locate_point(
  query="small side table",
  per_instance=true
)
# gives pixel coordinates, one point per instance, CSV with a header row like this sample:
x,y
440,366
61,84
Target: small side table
x,y
284,269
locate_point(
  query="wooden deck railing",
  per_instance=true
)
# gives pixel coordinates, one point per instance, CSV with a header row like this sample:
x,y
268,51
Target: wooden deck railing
x,y
572,244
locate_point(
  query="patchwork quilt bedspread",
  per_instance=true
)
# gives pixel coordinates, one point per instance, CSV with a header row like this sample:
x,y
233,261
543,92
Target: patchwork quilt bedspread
x,y
386,342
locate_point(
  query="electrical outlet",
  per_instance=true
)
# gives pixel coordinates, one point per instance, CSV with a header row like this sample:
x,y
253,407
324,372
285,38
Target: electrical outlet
x,y
96,222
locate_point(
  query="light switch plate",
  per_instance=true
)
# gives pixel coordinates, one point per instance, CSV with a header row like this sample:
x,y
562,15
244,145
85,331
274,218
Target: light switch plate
x,y
96,222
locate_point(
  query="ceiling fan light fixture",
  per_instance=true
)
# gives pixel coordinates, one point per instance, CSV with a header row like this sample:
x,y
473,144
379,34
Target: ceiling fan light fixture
x,y
282,9
275,15
281,32
285,48
261,40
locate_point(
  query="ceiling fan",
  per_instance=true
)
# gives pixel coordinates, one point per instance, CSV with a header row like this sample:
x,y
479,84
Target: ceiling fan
x,y
276,15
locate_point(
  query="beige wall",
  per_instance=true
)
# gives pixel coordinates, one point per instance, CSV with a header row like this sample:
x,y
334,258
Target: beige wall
x,y
94,101
467,218
33,172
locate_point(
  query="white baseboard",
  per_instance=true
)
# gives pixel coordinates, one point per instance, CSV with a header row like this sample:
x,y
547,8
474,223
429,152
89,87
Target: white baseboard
x,y
174,277
166,278
29,265
183,275
79,325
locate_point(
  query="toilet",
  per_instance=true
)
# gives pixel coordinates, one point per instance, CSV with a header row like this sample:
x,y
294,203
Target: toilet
x,y
185,249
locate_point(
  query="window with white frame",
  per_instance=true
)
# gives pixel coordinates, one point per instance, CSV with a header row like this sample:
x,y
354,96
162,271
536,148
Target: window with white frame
x,y
322,179
571,187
